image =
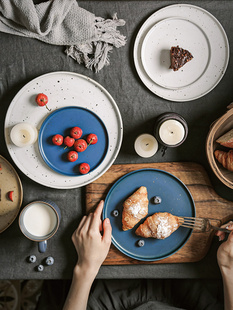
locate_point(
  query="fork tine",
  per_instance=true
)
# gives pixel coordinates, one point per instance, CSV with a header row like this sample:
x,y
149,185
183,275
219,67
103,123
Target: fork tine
x,y
191,226
192,222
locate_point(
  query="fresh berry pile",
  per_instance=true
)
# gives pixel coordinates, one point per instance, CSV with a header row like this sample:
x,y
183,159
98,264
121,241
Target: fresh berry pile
x,y
79,144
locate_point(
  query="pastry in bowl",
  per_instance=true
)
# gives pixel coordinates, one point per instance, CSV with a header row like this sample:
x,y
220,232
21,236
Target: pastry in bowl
x,y
159,225
225,158
135,208
226,139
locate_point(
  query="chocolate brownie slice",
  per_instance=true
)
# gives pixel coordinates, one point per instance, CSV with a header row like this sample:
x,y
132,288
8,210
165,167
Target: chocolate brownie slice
x,y
179,57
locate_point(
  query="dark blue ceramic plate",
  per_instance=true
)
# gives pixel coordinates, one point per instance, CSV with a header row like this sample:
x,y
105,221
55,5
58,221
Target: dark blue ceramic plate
x,y
176,199
60,122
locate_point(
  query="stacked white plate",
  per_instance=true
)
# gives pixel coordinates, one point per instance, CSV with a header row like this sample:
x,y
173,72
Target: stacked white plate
x,y
191,28
64,89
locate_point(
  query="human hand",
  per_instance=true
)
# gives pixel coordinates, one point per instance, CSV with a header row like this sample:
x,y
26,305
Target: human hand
x,y
225,250
225,262
91,245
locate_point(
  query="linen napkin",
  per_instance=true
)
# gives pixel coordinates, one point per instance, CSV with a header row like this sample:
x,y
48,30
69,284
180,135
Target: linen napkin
x,y
88,39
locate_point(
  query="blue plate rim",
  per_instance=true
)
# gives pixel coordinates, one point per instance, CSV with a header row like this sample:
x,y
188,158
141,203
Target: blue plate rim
x,y
40,139
117,245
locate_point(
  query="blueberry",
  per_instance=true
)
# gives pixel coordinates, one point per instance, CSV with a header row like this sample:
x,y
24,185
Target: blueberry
x,y
141,243
32,259
49,261
115,213
156,200
40,268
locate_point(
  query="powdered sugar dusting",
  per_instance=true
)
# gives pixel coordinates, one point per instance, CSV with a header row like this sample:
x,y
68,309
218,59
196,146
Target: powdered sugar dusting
x,y
135,209
164,229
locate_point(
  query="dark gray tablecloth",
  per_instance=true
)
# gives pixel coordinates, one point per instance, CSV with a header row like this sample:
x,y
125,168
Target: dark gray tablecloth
x,y
22,59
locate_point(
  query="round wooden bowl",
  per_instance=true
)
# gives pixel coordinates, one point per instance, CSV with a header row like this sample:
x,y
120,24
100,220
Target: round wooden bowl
x,y
218,128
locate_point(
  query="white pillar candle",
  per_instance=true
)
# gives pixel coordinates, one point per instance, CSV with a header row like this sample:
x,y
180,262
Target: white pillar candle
x,y
23,134
171,132
146,145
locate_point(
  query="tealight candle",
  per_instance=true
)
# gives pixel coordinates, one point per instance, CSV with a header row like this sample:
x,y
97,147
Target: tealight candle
x,y
146,145
171,132
23,134
171,129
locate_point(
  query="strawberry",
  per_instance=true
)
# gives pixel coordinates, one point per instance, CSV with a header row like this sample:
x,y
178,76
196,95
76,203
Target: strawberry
x,y
10,195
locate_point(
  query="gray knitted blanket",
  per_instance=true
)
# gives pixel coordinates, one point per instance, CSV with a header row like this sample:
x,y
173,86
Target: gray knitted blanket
x,y
88,39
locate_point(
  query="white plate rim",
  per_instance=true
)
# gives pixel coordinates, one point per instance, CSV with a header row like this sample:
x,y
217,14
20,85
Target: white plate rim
x,y
178,95
48,177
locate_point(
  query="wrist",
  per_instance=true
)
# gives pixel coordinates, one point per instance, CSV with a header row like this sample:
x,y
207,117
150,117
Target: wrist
x,y
227,273
85,273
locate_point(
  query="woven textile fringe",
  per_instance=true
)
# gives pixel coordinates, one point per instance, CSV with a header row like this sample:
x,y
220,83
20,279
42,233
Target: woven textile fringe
x,y
88,39
96,54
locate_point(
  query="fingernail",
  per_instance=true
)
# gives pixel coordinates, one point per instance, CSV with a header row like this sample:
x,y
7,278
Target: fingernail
x,y
229,226
107,221
219,238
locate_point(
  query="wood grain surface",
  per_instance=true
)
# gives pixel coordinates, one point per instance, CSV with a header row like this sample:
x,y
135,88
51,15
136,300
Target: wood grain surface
x,y
207,202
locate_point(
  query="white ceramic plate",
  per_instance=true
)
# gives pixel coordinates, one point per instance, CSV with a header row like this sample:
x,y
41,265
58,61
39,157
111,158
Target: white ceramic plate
x,y
156,52
212,59
63,89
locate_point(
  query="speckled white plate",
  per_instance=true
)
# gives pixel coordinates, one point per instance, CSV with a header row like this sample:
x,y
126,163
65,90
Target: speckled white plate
x,y
211,58
63,89
156,52
9,181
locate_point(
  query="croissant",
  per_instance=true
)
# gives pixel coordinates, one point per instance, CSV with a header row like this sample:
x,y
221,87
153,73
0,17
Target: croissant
x,y
225,158
159,225
135,208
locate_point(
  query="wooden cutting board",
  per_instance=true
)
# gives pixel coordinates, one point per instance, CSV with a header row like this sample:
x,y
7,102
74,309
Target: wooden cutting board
x,y
207,202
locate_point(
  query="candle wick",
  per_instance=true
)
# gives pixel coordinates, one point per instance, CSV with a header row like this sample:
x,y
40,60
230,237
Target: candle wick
x,y
24,136
147,144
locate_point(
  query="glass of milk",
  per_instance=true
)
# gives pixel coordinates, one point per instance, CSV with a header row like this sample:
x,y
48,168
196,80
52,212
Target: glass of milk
x,y
39,221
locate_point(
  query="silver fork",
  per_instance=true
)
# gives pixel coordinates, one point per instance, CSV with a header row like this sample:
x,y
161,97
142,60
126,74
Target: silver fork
x,y
200,224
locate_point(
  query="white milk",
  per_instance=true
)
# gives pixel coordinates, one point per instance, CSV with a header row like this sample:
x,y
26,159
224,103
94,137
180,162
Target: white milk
x,y
39,219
